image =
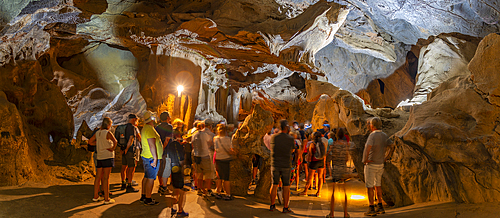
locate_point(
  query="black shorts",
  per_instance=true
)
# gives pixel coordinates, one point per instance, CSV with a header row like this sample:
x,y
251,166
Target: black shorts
x,y
257,161
105,163
281,173
177,179
223,168
128,159
314,165
188,161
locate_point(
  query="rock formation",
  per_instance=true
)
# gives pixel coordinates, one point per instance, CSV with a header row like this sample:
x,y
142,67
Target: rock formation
x,y
248,141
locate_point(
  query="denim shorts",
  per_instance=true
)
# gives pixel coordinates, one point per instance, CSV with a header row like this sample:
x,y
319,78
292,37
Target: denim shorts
x,y
150,172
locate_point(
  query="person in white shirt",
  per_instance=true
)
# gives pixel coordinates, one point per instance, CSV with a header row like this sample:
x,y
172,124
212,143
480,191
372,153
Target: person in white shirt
x,y
105,147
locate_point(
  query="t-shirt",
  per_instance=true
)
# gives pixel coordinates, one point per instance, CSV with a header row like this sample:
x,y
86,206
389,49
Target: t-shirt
x,y
130,131
200,143
175,151
379,141
148,132
267,141
281,150
165,130
102,145
222,146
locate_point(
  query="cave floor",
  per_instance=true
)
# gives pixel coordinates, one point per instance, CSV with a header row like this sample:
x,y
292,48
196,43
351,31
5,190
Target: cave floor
x,y
74,200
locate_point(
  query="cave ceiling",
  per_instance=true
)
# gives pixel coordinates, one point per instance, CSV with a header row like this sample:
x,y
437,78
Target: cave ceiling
x,y
91,45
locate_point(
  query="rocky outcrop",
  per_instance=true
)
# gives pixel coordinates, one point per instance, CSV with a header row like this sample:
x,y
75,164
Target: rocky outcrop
x,y
248,139
449,149
445,57
484,68
389,92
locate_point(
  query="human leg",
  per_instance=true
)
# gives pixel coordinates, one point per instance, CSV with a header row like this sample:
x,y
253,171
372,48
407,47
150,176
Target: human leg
x,y
321,173
332,201
272,194
105,182
309,181
97,182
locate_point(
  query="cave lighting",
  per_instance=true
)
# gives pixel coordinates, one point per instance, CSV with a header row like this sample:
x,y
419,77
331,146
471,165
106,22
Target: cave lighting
x,y
179,90
357,197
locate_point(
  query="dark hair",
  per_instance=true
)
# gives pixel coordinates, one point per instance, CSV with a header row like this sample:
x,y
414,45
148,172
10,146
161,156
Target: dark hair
x,y
317,137
164,116
340,133
283,124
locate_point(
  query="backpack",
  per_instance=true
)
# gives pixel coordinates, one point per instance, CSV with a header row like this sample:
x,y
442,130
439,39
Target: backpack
x,y
320,151
120,136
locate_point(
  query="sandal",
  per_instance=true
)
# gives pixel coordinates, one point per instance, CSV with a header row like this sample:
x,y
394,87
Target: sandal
x,y
329,216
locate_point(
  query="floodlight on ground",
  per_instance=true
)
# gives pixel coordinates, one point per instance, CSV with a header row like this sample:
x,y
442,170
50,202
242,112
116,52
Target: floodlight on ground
x,y
357,197
179,90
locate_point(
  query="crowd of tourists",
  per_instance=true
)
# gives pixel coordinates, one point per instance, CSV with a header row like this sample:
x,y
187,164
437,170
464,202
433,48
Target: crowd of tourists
x,y
204,153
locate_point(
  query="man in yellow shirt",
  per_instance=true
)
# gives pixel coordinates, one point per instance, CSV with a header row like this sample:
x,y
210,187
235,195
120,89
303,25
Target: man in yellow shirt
x,y
151,150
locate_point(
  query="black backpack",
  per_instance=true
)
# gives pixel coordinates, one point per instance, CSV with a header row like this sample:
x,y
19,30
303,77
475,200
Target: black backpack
x,y
120,136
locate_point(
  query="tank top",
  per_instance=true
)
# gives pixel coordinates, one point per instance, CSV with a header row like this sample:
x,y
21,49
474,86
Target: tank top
x,y
102,145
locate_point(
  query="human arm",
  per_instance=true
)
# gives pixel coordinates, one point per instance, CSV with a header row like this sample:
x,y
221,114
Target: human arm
x,y
365,155
152,149
111,137
129,143
92,140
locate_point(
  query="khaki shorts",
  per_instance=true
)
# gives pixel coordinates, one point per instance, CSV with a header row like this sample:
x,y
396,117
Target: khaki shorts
x,y
206,168
373,175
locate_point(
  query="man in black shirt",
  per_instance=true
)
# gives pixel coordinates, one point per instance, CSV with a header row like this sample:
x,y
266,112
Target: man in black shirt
x,y
282,146
165,131
130,155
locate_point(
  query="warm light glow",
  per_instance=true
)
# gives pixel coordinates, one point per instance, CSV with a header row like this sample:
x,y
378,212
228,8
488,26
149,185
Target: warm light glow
x,y
357,197
179,90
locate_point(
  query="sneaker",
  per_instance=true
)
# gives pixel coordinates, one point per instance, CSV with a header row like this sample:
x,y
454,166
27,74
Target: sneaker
x,y
131,189
371,211
272,207
173,211
100,198
287,210
134,183
142,199
152,202
182,214
162,190
110,201
380,209
253,182
304,193
218,196
228,198
210,193
200,192
124,186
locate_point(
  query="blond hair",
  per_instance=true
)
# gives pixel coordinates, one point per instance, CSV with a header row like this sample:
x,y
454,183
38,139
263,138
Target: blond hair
x,y
106,123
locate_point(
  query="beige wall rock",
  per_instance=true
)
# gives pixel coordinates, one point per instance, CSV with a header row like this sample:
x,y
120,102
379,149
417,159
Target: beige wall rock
x,y
485,66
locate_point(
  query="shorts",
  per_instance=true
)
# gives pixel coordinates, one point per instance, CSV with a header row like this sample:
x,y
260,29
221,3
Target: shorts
x,y
206,168
373,175
314,165
281,173
128,159
188,159
257,162
94,156
150,172
105,163
223,169
177,179
165,167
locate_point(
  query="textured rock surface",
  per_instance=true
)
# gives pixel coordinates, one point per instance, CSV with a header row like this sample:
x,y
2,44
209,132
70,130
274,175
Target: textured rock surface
x,y
390,91
446,57
249,142
484,67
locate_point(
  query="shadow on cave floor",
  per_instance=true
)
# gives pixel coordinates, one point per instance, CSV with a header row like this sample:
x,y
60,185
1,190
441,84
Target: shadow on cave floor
x,y
74,200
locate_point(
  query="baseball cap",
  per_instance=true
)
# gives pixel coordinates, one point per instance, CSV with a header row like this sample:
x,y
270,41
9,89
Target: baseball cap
x,y
132,116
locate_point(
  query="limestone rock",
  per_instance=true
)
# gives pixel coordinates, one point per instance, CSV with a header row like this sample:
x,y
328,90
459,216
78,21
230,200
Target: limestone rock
x,y
448,149
390,91
249,142
444,58
485,65
15,164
